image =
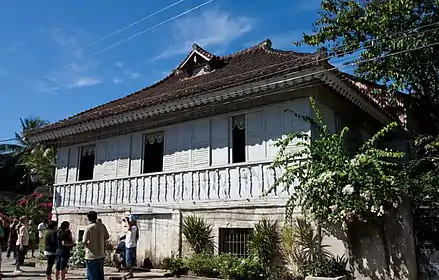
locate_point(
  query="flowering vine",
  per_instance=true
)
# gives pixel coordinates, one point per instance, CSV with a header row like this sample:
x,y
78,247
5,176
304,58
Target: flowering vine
x,y
332,184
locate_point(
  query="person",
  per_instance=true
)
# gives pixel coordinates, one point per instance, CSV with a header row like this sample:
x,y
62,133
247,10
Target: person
x,y
65,244
32,238
12,240
42,227
22,243
119,254
132,236
95,236
51,240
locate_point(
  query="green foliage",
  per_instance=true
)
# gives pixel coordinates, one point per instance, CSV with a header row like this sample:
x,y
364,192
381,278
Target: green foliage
x,y
326,267
175,265
264,241
77,259
382,28
41,160
42,246
198,234
333,185
202,264
226,266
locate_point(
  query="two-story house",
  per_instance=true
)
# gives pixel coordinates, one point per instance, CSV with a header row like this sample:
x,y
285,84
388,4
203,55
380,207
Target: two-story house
x,y
200,141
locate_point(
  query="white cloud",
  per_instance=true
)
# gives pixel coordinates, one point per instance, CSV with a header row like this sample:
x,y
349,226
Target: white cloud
x,y
117,81
76,70
213,28
119,64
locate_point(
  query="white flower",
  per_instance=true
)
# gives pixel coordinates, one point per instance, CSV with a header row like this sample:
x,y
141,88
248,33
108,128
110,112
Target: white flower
x,y
395,204
373,209
333,207
381,211
348,189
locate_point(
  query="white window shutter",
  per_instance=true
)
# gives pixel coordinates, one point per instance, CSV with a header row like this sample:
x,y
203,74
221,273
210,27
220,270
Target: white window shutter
x,y
123,157
136,154
111,159
73,164
200,143
170,149
101,151
255,141
183,152
62,163
273,130
220,141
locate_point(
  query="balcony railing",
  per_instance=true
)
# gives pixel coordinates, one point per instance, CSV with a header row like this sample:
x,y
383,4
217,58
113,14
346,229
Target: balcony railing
x,y
234,182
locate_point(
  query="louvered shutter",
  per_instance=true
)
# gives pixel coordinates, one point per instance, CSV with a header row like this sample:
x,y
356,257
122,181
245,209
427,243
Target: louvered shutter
x,y
255,141
273,130
62,162
220,141
73,164
200,143
111,158
170,149
123,157
182,154
136,154
101,152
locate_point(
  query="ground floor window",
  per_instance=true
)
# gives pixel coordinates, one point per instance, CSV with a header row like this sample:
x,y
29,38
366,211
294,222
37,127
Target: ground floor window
x,y
234,241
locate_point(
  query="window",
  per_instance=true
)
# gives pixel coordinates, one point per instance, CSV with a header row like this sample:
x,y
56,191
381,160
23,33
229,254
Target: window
x,y
87,162
80,235
234,241
238,139
153,155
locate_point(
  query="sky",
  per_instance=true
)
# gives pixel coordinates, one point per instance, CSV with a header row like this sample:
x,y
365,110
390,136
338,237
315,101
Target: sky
x,y
54,63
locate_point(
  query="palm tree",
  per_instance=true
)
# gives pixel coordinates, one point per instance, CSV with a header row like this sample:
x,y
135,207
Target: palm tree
x,y
17,158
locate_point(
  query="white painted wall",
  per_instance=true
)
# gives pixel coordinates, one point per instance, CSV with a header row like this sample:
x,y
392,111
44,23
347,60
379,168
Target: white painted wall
x,y
191,145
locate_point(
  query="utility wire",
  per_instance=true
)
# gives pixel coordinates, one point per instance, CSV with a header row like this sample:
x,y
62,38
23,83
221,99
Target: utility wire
x,y
275,65
151,28
307,75
131,25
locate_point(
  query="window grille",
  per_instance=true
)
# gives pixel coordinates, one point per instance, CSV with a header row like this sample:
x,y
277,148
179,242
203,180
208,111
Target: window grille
x,y
234,241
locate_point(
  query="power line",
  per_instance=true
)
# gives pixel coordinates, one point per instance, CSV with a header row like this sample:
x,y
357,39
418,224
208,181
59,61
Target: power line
x,y
7,140
311,74
131,25
275,65
151,28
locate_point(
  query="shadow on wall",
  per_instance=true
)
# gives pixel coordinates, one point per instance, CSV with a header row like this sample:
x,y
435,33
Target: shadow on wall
x,y
383,249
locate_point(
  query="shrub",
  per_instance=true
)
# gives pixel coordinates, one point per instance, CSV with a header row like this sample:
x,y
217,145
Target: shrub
x,y
78,257
202,264
175,265
325,267
198,235
264,241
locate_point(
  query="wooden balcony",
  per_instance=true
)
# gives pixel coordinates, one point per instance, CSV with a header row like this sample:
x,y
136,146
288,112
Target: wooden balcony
x,y
234,182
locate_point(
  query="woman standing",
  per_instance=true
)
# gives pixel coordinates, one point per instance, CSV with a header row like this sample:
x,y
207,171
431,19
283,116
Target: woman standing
x,y
51,242
131,238
65,244
32,238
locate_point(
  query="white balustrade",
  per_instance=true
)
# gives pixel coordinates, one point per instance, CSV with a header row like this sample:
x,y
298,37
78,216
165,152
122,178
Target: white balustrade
x,y
235,182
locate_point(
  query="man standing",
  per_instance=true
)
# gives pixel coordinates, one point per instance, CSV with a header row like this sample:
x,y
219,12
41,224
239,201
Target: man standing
x,y
12,239
22,244
95,236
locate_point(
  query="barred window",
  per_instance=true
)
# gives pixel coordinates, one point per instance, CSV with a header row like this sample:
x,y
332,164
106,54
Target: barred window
x,y
234,241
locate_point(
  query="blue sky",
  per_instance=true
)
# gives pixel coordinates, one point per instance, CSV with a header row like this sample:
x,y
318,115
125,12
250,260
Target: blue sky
x,y
45,70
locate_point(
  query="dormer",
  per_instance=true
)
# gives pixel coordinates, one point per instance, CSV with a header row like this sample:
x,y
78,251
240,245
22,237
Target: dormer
x,y
199,62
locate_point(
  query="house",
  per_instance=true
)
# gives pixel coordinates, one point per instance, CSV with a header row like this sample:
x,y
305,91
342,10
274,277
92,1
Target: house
x,y
200,141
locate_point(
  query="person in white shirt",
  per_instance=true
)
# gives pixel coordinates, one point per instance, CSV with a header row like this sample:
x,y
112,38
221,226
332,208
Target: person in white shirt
x,y
41,228
131,238
22,243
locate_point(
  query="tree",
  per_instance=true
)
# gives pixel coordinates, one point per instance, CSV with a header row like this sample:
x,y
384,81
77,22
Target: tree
x,y
387,27
18,160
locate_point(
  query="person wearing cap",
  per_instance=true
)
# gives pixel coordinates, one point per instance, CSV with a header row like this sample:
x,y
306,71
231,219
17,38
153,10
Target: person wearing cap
x,y
131,238
119,253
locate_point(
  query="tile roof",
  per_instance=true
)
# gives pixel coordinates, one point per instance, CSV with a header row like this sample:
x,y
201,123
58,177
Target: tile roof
x,y
255,63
